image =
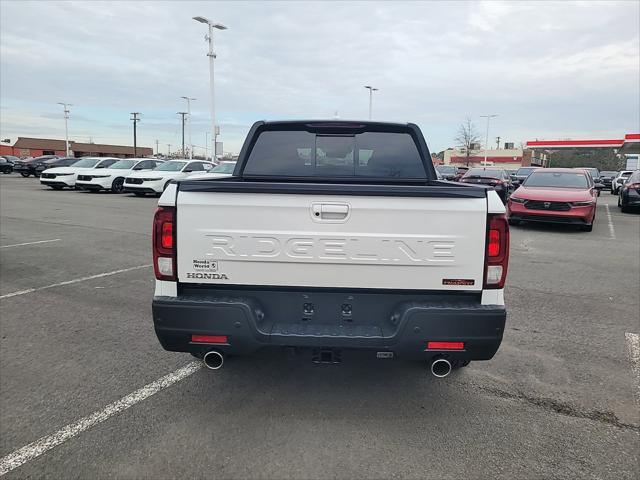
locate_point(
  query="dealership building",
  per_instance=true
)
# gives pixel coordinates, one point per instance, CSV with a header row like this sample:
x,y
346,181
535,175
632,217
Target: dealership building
x,y
509,158
35,147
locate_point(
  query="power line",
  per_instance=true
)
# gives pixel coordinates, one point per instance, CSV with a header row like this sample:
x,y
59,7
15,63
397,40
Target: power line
x,y
135,121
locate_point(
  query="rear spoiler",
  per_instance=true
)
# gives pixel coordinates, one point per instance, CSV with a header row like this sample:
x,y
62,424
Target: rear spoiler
x,y
439,189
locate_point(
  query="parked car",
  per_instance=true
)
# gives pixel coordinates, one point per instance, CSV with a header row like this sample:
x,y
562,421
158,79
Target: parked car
x,y
460,171
606,177
155,181
61,177
29,166
555,195
112,178
448,172
224,169
6,165
372,256
55,162
595,175
522,173
497,178
630,193
619,180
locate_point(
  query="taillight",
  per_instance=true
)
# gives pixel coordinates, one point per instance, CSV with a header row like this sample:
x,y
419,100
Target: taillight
x,y
497,254
164,243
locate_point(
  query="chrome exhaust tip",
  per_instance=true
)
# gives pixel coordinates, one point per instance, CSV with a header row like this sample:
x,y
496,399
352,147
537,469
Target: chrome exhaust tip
x,y
440,367
213,360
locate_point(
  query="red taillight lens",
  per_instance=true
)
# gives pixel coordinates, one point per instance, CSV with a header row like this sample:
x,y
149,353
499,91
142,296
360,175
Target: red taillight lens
x,y
494,243
445,345
497,255
209,339
164,245
167,235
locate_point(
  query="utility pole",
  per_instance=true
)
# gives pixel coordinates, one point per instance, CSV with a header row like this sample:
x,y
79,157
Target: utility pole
x,y
212,56
206,145
157,147
498,143
135,121
486,139
188,99
182,114
371,90
66,128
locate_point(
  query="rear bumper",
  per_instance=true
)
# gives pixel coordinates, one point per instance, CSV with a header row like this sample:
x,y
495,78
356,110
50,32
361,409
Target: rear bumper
x,y
398,323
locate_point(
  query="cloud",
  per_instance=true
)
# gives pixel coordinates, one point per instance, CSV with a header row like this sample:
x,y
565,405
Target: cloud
x,y
552,68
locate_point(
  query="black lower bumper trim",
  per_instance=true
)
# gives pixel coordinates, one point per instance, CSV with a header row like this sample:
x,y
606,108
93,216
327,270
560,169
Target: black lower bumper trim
x,y
403,327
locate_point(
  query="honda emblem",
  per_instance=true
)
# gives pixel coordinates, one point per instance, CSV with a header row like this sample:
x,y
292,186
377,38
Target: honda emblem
x,y
547,204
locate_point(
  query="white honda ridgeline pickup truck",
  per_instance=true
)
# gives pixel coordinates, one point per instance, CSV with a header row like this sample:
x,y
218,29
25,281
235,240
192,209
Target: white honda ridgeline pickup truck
x,y
331,235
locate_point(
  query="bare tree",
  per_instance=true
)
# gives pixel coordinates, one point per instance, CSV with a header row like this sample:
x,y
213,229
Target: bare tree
x,y
467,138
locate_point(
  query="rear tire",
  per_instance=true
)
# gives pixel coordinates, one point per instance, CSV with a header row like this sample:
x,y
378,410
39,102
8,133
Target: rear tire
x,y
460,364
139,194
55,187
118,185
586,228
25,174
6,170
515,223
625,209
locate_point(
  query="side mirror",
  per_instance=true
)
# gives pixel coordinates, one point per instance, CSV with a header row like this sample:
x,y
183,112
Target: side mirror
x,y
598,185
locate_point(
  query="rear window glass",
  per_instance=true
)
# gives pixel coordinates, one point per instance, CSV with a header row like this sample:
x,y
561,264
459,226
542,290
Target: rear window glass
x,y
306,154
484,173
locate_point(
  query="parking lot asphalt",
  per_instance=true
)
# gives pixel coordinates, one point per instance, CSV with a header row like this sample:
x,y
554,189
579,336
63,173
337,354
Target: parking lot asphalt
x,y
560,399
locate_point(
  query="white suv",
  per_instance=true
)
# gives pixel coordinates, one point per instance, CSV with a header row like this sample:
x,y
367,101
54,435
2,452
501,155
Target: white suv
x,y
157,180
112,178
619,180
60,177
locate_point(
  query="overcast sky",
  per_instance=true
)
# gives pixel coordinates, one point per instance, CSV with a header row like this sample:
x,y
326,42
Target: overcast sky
x,y
549,70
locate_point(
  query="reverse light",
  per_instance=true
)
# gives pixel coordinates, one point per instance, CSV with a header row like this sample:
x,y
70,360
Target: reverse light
x,y
164,244
497,253
216,339
445,345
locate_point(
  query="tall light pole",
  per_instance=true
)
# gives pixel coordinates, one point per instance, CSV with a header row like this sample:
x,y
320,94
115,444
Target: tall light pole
x,y
206,144
66,127
211,56
182,114
486,139
188,99
371,90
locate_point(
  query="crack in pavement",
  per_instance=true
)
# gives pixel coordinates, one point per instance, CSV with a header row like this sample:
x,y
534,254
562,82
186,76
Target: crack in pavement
x,y
559,407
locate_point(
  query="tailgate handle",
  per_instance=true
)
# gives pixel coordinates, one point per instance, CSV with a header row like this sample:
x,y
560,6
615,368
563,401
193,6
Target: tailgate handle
x,y
331,211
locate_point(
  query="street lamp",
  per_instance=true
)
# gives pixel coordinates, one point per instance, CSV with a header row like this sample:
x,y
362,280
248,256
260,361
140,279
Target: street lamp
x,y
212,56
486,140
371,90
66,128
188,99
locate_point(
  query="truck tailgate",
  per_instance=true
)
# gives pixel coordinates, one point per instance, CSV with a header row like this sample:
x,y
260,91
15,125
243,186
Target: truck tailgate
x,y
425,243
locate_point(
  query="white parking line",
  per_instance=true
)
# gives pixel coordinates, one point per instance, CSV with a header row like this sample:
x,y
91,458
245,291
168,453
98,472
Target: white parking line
x,y
69,282
612,231
633,345
44,444
30,243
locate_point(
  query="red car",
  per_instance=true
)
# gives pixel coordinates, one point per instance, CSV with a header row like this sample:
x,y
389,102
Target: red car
x,y
556,195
